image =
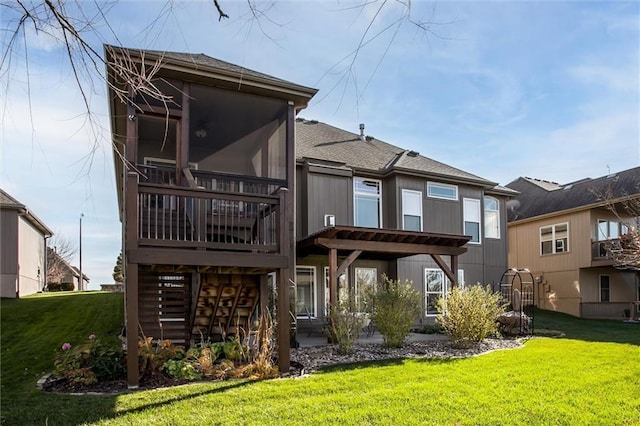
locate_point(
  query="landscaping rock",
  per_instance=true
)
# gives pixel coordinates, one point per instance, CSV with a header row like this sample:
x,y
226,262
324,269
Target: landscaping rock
x,y
513,323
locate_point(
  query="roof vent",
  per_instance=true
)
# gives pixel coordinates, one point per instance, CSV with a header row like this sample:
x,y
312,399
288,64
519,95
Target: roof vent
x,y
362,137
413,154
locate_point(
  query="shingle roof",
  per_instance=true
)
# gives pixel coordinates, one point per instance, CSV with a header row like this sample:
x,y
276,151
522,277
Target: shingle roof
x,y
198,61
316,140
538,197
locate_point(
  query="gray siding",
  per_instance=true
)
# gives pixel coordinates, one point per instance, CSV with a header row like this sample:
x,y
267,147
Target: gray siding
x,y
325,191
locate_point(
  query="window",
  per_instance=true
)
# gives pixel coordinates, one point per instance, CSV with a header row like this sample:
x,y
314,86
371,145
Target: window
x,y
461,278
366,280
491,218
411,210
442,190
367,202
306,291
343,288
608,229
605,295
434,289
554,239
472,219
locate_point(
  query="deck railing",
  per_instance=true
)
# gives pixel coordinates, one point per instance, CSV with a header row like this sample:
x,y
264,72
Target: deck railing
x,y
600,250
211,219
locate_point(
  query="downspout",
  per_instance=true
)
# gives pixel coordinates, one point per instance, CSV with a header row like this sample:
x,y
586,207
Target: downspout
x,y
46,262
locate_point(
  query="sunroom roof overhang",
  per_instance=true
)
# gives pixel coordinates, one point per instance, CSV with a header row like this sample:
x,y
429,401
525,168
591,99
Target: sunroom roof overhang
x,y
385,244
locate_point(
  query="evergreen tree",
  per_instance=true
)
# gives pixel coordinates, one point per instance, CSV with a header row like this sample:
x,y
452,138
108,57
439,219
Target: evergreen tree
x,y
117,270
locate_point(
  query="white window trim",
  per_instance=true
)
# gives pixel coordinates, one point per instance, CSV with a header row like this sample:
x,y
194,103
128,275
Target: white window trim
x,y
600,288
446,185
443,293
486,235
419,194
553,238
479,211
379,196
312,309
355,283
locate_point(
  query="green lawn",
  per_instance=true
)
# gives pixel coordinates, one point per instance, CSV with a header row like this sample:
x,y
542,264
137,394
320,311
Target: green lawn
x,y
590,376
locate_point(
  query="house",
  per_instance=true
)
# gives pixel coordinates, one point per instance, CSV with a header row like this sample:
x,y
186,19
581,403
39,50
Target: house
x,y
365,208
564,234
228,202
60,271
22,248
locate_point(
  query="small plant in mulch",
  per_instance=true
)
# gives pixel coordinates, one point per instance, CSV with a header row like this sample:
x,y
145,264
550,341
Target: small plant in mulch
x,y
93,361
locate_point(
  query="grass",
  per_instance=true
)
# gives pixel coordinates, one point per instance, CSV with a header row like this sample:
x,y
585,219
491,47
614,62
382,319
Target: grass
x,y
590,376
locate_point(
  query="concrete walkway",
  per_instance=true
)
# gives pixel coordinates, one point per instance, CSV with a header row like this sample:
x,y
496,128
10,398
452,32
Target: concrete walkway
x,y
319,340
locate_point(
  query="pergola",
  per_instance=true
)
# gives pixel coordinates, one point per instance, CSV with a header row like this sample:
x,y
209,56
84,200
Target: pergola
x,y
351,243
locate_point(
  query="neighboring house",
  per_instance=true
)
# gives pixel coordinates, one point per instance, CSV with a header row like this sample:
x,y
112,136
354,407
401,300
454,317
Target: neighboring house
x,y
22,248
64,272
561,233
214,223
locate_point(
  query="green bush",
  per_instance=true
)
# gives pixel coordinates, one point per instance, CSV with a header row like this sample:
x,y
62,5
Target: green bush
x,y
345,326
181,369
468,315
396,306
90,362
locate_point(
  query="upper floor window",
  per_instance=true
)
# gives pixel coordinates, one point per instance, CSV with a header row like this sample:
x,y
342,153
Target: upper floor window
x,y
442,190
472,219
367,203
411,210
608,229
554,238
491,218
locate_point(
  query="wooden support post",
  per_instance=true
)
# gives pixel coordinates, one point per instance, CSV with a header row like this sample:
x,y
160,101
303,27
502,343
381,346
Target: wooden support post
x,y
131,278
333,278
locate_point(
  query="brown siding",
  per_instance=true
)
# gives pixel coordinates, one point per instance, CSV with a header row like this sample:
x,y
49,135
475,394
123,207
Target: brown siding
x,y
8,253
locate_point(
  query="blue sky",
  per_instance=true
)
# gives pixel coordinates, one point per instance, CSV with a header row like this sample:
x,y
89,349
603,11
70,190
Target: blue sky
x,y
502,89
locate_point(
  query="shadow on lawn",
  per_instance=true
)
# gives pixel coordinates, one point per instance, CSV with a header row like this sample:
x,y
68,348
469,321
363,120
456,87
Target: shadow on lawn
x,y
382,363
589,330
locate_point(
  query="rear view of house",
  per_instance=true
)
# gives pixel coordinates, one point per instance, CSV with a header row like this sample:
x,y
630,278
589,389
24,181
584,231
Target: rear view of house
x,y
22,249
564,234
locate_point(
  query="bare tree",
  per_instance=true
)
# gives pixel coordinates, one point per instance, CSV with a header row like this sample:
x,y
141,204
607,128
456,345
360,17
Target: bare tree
x,y
77,25
60,251
625,251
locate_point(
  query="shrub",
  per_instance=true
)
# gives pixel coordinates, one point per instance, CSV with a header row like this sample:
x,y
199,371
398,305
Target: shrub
x,y
345,326
468,315
90,362
153,357
396,306
431,329
181,369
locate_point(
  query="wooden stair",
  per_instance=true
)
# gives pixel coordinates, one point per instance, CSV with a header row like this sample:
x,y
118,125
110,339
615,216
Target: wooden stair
x,y
225,306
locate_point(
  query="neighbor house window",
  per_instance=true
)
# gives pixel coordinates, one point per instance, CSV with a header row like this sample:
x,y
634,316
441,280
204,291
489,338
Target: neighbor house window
x,y
366,281
442,190
608,229
306,291
367,203
434,289
343,288
472,219
411,210
554,238
605,296
491,218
